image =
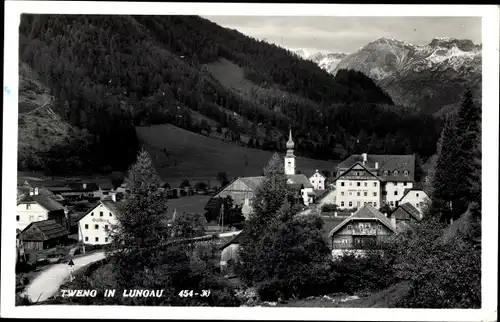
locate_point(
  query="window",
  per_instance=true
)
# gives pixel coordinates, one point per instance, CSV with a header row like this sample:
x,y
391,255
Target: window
x,y
101,214
341,183
97,239
374,184
365,193
28,206
386,173
404,184
358,184
350,183
349,227
31,218
105,227
343,241
86,226
106,239
96,226
367,226
366,184
342,193
392,203
364,203
358,193
86,239
350,193
341,204
396,193
406,173
17,218
417,194
375,194
397,203
379,227
418,205
92,213
374,204
289,162
396,172
350,203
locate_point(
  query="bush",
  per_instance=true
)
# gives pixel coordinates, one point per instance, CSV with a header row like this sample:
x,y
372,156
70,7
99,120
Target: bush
x,y
329,207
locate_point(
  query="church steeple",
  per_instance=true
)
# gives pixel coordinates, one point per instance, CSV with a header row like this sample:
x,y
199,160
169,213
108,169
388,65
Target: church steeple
x,y
290,157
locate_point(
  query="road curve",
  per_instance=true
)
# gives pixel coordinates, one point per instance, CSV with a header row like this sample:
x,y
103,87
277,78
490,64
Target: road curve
x,y
48,282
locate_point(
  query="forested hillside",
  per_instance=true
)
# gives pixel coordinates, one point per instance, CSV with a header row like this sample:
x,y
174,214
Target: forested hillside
x,y
111,73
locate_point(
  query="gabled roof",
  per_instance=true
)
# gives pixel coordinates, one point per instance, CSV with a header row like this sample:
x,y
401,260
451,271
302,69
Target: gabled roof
x,y
366,212
359,164
46,229
253,182
386,162
406,191
110,204
317,173
105,185
407,208
238,239
45,201
300,179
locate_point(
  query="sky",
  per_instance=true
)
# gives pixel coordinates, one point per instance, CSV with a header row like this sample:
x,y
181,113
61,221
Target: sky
x,y
348,34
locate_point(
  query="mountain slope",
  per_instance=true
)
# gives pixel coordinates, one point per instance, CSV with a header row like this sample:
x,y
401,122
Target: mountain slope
x,y
109,74
426,77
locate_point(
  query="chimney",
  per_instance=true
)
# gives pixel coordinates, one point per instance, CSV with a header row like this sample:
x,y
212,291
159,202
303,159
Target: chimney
x,y
32,191
365,157
84,186
376,165
393,221
335,214
36,191
113,197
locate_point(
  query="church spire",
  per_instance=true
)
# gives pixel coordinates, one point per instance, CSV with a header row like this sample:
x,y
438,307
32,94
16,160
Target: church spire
x,y
290,157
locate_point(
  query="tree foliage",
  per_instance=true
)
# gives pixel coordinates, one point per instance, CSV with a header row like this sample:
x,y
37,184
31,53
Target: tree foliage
x,y
110,73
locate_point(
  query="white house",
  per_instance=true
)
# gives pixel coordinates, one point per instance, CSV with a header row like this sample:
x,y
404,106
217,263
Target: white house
x,y
374,179
417,197
318,181
35,207
94,227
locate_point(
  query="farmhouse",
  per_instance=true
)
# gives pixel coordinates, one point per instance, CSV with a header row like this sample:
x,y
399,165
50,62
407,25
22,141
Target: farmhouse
x,y
43,234
242,189
365,228
417,197
373,179
406,213
35,207
95,225
318,181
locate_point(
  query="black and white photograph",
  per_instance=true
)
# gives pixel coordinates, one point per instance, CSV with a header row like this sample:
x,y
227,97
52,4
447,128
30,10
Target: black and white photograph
x,y
282,161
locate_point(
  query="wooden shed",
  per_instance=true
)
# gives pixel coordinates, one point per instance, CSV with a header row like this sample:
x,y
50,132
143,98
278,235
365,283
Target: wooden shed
x,y
43,234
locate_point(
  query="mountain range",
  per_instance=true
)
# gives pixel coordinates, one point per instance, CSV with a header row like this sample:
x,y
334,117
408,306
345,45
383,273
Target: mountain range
x,y
426,77
105,76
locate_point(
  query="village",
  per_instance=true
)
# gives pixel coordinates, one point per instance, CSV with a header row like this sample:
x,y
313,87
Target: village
x,y
369,198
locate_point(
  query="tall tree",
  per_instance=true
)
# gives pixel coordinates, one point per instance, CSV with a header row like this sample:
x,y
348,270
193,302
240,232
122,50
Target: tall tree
x,y
139,230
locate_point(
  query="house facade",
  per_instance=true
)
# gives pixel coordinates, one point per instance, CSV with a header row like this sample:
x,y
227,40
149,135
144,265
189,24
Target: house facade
x,y
94,227
318,181
374,179
417,197
35,207
363,229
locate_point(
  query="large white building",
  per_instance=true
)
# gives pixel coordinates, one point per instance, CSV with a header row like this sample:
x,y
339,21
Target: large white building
x,y
34,207
94,227
374,179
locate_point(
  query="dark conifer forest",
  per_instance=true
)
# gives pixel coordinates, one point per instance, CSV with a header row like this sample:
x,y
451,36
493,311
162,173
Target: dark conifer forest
x,y
109,74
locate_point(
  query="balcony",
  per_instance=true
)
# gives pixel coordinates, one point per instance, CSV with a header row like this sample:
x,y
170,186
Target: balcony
x,y
365,231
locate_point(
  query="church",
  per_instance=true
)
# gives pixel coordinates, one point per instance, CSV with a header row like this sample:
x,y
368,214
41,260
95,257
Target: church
x,y
242,189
